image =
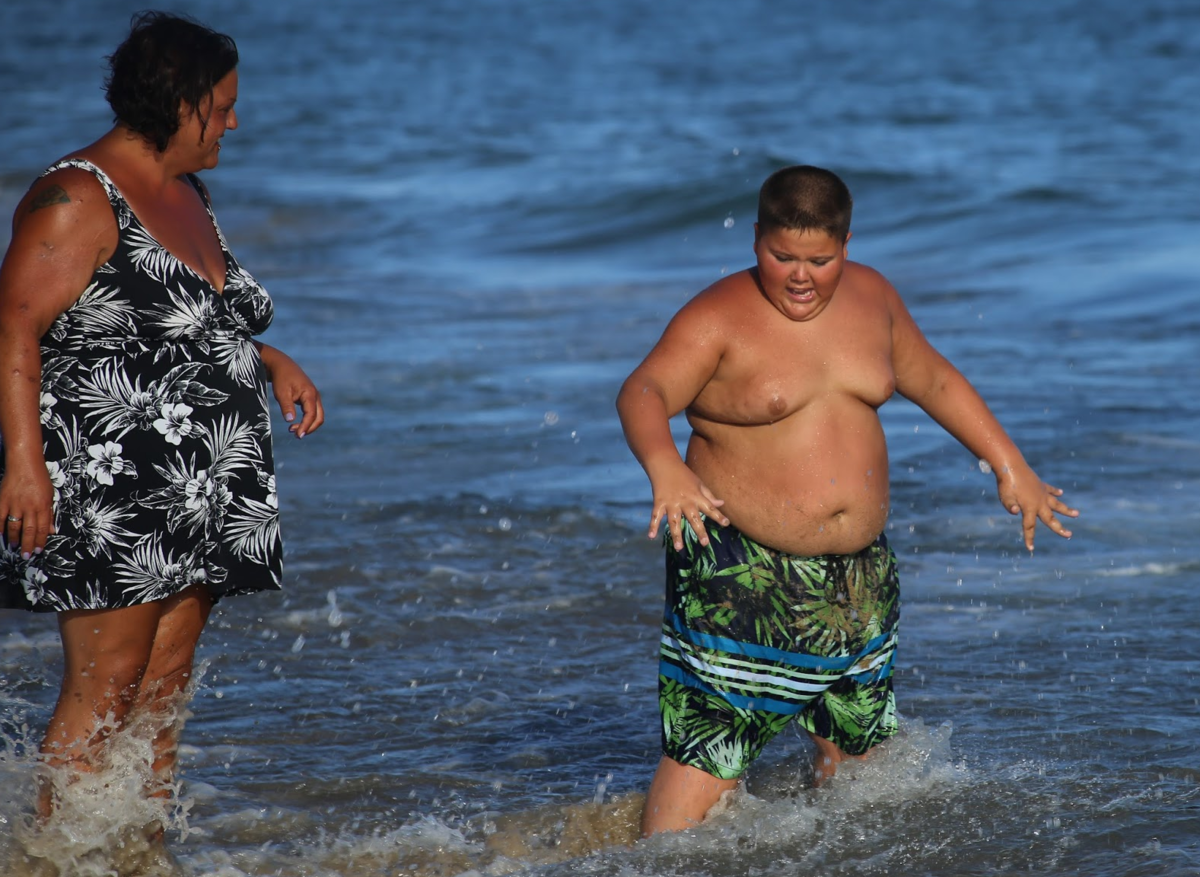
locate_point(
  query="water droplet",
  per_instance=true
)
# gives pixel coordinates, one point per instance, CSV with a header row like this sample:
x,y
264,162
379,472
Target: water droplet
x,y
550,418
985,467
729,222
298,644
335,614
505,524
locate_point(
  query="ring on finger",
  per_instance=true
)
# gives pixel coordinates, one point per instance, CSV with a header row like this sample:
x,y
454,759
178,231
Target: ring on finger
x,y
13,520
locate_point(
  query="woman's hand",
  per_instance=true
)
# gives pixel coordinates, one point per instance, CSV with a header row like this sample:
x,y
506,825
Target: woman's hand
x,y
27,506
293,387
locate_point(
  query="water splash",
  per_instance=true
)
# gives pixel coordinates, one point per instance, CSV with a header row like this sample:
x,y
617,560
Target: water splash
x,y
108,821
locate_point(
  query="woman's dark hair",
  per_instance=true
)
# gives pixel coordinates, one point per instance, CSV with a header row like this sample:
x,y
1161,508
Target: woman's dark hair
x,y
166,60
804,198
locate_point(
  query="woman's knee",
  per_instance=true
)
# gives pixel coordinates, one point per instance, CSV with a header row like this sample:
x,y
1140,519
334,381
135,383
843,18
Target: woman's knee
x,y
107,651
174,651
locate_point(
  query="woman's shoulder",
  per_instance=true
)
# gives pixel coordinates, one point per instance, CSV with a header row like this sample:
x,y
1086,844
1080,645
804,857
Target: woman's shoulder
x,y
67,199
69,189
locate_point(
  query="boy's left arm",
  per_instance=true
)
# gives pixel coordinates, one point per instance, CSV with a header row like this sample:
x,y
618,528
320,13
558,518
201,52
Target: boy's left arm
x,y
928,379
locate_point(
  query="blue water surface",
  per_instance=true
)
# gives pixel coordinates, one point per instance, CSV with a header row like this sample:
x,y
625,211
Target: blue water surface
x,y
475,218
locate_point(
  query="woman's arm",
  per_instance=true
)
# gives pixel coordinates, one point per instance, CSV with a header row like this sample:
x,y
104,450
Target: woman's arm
x,y
63,230
292,387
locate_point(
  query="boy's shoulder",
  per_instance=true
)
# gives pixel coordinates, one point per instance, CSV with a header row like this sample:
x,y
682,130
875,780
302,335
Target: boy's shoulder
x,y
731,291
861,274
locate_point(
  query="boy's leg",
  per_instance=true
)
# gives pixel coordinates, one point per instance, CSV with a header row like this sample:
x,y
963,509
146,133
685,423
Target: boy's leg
x,y
680,797
852,716
827,758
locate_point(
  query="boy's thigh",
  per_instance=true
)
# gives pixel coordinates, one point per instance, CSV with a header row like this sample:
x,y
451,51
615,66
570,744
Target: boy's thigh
x,y
706,731
855,713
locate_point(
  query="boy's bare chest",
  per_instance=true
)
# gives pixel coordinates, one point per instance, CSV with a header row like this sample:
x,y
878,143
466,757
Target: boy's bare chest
x,y
768,376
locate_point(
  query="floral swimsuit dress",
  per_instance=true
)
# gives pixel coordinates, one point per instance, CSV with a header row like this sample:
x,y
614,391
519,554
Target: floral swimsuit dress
x,y
156,432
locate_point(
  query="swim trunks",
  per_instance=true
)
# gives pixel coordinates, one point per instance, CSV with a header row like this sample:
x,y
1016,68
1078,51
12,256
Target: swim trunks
x,y
754,638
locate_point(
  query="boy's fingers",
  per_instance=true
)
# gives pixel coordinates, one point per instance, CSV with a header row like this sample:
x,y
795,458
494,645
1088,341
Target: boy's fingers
x,y
1063,509
712,512
673,521
1029,526
1056,525
655,516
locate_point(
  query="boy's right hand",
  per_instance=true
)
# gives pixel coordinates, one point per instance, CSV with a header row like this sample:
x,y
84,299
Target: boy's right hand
x,y
679,495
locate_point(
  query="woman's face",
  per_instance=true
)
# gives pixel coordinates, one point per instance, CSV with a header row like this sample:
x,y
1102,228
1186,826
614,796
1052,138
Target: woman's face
x,y
201,128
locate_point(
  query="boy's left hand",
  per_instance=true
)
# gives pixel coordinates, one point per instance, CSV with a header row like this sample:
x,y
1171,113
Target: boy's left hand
x,y
1024,494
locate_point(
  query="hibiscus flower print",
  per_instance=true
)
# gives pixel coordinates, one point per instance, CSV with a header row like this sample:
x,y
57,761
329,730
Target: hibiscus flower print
x,y
174,423
198,491
100,528
46,406
58,479
144,410
107,462
33,582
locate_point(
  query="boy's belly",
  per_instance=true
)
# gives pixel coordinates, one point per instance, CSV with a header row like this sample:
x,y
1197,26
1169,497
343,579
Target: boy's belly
x,y
807,485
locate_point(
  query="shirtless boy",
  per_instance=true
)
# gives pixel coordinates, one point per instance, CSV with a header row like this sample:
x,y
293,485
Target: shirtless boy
x,y
782,596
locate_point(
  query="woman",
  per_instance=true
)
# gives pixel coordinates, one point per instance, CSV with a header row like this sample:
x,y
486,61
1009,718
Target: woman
x,y
137,482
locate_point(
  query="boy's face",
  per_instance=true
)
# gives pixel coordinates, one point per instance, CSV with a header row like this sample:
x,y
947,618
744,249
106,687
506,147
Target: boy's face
x,y
799,270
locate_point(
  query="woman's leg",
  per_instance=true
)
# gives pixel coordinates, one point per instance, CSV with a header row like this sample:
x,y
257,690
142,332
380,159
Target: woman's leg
x,y
169,672
117,661
105,655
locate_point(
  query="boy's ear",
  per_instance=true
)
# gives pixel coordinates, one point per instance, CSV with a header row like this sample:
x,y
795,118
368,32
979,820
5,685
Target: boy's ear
x,y
757,235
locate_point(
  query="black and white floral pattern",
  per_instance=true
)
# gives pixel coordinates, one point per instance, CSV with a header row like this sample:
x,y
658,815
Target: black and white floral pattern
x,y
157,435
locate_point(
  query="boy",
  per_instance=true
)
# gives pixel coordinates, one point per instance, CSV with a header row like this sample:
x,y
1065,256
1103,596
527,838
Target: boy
x,y
782,596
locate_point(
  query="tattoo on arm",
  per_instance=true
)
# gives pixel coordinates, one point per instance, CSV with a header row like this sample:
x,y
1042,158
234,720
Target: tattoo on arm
x,y
52,195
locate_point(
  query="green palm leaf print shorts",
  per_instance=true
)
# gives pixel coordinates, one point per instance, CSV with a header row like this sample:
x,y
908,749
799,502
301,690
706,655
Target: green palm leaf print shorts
x,y
753,638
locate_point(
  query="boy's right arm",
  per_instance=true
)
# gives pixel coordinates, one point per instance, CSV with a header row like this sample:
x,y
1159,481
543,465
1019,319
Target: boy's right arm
x,y
668,380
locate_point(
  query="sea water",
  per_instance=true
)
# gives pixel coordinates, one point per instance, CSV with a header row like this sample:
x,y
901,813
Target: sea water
x,y
475,218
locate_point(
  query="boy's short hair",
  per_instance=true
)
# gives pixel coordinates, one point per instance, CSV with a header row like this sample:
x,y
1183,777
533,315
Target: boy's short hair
x,y
805,198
